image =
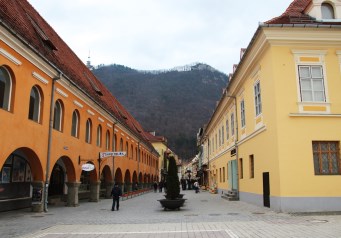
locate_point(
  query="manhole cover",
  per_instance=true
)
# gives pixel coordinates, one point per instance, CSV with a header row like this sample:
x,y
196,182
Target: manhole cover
x,y
214,214
37,216
318,221
232,213
191,215
103,209
204,200
258,213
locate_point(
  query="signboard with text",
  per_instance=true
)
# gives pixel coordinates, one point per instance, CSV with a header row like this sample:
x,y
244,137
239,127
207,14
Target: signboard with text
x,y
111,153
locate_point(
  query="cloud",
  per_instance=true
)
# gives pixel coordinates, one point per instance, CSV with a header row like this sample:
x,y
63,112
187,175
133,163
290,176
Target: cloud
x,y
157,34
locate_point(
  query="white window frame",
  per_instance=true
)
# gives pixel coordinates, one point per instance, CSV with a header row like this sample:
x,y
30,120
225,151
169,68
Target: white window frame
x,y
227,129
58,116
311,82
316,54
88,129
222,135
242,113
36,106
99,136
258,98
232,124
75,124
8,89
107,140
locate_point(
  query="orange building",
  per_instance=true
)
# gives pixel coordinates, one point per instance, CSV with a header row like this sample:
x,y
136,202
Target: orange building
x,y
56,116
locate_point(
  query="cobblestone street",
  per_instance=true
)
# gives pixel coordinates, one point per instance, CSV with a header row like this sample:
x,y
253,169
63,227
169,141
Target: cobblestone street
x,y
204,215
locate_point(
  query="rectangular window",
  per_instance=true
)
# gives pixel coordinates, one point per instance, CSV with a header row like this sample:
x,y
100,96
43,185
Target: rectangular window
x,y
252,167
242,113
219,138
311,83
216,142
232,124
224,174
241,175
258,100
222,135
326,157
227,129
220,177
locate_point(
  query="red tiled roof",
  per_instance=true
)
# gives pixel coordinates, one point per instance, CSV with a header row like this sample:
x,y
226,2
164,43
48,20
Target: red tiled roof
x,y
25,22
153,138
295,10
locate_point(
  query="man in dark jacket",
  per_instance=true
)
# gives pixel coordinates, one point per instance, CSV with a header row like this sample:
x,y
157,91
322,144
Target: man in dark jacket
x,y
116,192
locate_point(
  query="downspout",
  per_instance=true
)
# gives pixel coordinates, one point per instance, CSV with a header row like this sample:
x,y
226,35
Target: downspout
x,y
138,163
113,149
236,141
208,160
49,143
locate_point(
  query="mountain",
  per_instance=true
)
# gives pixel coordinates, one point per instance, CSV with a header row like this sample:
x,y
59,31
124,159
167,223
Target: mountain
x,y
175,103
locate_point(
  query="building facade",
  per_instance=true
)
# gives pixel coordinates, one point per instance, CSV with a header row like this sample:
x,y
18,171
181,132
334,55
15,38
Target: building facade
x,y
56,118
274,136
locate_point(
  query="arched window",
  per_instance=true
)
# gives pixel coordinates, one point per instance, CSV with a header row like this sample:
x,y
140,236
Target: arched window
x,y
35,103
107,140
132,152
75,124
88,131
121,144
5,89
327,11
58,116
114,145
136,154
99,136
127,150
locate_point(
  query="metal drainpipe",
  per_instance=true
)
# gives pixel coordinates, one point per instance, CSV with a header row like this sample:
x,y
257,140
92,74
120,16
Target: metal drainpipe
x,y
236,143
208,160
49,144
138,163
113,149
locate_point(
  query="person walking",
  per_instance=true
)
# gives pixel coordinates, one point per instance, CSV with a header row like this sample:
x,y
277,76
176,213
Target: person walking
x,y
155,186
160,186
116,193
196,186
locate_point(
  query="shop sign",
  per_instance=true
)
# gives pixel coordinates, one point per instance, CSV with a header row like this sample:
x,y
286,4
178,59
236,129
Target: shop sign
x,y
111,153
88,167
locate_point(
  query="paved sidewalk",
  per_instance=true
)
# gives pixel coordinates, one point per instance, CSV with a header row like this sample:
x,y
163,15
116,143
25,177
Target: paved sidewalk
x,y
204,215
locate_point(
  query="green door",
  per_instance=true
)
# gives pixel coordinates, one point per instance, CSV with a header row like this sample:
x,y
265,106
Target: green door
x,y
232,177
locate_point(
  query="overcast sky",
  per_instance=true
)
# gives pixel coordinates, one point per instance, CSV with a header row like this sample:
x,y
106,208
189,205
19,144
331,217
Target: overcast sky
x,y
158,34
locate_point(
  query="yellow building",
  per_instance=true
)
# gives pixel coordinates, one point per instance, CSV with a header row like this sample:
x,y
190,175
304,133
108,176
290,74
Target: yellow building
x,y
160,145
274,138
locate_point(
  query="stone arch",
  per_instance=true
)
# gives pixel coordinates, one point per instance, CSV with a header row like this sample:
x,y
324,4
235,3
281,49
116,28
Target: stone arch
x,y
134,177
127,181
118,176
106,182
23,176
106,173
141,178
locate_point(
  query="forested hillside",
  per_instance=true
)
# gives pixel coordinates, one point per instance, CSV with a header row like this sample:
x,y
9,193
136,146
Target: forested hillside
x,y
174,103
